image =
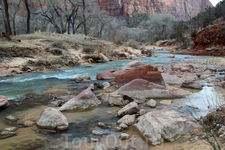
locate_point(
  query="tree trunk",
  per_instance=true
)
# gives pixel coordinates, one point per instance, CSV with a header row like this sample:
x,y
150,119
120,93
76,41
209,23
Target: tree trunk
x,y
84,17
6,19
28,16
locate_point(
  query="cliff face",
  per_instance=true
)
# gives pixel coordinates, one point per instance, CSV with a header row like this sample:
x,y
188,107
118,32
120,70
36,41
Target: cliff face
x,y
180,9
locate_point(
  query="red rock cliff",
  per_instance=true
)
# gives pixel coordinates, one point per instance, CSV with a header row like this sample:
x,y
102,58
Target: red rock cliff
x,y
180,9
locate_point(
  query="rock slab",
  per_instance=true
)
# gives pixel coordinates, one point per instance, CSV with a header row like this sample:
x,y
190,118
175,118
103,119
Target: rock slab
x,y
163,125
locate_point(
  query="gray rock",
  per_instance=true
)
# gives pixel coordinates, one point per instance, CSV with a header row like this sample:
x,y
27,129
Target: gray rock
x,y
106,85
5,73
129,109
171,79
115,100
163,125
52,118
151,103
123,126
102,125
191,84
85,100
95,132
28,123
3,101
11,118
127,119
124,136
10,129
105,59
6,134
166,102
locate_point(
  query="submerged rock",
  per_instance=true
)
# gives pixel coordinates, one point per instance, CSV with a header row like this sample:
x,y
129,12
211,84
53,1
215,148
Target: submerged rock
x,y
163,125
3,101
52,118
85,100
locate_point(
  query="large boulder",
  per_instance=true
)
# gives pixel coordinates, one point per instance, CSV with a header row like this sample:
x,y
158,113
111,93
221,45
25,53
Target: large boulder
x,y
146,72
3,101
163,125
112,74
139,90
53,119
85,100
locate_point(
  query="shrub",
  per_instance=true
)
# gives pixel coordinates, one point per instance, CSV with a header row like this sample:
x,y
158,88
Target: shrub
x,y
132,43
194,33
59,44
88,50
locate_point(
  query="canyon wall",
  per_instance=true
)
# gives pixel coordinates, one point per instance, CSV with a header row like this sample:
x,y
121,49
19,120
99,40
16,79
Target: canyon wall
x,y
180,9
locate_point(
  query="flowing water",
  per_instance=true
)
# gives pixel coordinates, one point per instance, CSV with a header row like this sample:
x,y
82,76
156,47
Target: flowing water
x,y
82,123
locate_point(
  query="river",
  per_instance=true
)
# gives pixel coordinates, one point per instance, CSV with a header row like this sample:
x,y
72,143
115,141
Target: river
x,y
82,123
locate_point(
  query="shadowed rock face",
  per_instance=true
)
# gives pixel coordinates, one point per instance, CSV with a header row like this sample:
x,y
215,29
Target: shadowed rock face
x,y
181,10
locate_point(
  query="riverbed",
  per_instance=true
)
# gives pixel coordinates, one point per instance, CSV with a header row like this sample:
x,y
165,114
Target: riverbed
x,y
82,123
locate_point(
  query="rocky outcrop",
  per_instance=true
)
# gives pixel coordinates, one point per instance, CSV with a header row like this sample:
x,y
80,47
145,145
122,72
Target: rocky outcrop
x,y
209,41
181,10
85,100
53,119
163,125
146,72
210,36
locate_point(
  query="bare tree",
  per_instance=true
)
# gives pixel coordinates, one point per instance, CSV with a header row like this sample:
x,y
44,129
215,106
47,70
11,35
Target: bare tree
x,y
84,17
14,7
28,16
6,19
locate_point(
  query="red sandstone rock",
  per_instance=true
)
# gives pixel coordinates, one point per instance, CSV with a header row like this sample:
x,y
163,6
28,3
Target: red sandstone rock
x,y
181,9
210,36
146,72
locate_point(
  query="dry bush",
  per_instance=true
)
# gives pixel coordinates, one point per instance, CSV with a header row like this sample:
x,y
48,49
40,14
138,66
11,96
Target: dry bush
x,y
131,43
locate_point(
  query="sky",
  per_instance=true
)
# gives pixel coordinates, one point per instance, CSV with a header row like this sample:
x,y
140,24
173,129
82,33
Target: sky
x,y
214,2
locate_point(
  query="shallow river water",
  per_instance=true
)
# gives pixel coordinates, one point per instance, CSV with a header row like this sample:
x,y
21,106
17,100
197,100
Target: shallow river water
x,y
82,123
